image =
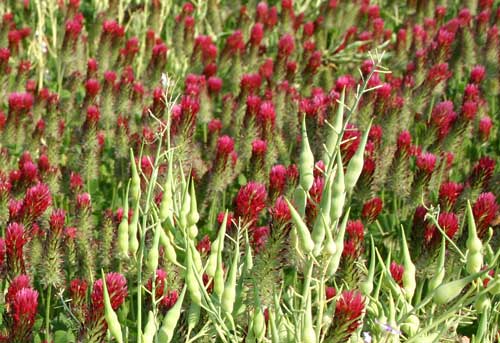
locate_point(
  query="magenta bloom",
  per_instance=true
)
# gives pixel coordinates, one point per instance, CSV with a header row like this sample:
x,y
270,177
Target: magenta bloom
x,y
251,200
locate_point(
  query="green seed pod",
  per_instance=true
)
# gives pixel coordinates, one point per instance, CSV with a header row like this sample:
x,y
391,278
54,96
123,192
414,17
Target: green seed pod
x,y
259,324
110,315
170,320
193,316
483,303
191,282
229,295
322,221
439,276
355,166
217,247
449,291
275,336
193,215
306,160
122,237
339,243
334,132
154,252
338,191
482,328
197,263
409,279
169,249
300,200
192,231
474,245
133,241
411,326
305,241
367,286
330,247
135,184
150,329
308,333
185,207
167,200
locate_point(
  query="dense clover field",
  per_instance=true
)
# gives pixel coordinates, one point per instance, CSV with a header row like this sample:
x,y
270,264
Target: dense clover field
x,y
242,171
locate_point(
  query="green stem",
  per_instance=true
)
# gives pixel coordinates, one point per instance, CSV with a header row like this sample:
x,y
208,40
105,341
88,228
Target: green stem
x,y
47,313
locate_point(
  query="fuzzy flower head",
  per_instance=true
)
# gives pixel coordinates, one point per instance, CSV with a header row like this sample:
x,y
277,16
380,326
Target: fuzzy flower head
x,y
397,271
485,210
36,200
449,193
251,200
426,162
117,289
371,209
348,310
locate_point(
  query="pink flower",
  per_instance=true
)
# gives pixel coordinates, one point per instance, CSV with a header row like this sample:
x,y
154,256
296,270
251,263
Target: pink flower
x,y
426,162
485,210
280,212
225,146
204,245
485,125
251,200
117,290
277,178
449,193
371,209
286,45
397,271
477,74
348,310
259,147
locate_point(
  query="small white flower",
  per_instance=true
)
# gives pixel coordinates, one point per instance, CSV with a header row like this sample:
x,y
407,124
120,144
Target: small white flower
x,y
367,338
43,47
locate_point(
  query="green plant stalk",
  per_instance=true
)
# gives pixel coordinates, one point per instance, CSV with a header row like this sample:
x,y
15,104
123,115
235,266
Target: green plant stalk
x,y
47,314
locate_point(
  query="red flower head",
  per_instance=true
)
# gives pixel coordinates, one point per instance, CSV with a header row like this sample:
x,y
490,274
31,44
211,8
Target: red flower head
x,y
404,141
449,193
235,43
78,289
14,242
251,200
92,87
330,292
371,209
280,212
477,74
485,125
117,290
277,178
286,45
259,237
348,310
257,34
469,109
449,223
204,245
75,181
483,171
426,162
225,146
18,283
24,309
397,271
57,219
83,201
267,114
485,209
352,138
20,102
214,84
36,200
259,147
266,70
